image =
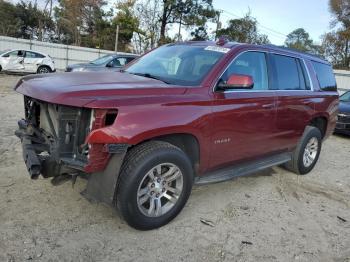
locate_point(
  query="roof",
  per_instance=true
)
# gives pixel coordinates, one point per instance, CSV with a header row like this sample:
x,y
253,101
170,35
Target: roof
x,y
209,43
26,50
298,52
125,54
269,46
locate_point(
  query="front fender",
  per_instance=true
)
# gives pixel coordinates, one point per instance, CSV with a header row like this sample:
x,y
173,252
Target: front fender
x,y
108,135
135,124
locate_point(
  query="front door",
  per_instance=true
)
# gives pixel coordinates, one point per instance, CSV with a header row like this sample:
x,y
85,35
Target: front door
x,y
244,120
14,61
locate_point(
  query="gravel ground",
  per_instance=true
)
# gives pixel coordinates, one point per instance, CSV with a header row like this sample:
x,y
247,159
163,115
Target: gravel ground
x,y
269,216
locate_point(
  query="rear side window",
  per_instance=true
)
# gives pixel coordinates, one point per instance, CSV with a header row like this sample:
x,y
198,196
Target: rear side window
x,y
34,55
325,76
289,73
129,59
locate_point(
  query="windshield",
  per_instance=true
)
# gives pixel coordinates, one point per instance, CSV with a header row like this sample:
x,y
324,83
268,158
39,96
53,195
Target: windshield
x,y
102,60
178,64
3,52
345,97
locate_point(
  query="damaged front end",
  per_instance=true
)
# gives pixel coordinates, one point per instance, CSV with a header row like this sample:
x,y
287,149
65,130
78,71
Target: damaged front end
x,y
55,144
53,138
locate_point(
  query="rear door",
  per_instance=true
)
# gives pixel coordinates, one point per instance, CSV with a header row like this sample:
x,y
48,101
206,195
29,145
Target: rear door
x,y
295,99
32,60
244,120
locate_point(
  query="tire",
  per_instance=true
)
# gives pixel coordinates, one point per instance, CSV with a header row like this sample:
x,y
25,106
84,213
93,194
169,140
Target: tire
x,y
300,163
141,164
43,70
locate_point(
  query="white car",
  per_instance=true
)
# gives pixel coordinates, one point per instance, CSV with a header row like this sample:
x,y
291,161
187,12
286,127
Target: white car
x,y
26,61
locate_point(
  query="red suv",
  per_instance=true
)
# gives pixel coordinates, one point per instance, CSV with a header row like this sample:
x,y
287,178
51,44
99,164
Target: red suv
x,y
183,114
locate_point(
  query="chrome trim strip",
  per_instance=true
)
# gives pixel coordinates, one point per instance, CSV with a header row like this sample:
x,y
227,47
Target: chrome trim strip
x,y
308,74
265,91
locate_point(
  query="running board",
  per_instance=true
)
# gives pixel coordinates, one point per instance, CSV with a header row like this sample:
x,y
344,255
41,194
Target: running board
x,y
242,169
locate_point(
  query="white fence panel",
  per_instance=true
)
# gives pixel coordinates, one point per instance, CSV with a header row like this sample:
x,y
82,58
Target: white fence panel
x,y
63,55
343,80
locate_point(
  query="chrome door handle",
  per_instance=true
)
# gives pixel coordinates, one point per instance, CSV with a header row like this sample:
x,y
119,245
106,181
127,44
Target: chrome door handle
x,y
268,106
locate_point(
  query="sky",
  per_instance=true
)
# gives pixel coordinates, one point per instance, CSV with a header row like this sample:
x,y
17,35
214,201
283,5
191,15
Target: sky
x,y
277,18
282,16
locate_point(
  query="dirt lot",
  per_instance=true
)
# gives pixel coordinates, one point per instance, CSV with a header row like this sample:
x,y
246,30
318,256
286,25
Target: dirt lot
x,y
270,216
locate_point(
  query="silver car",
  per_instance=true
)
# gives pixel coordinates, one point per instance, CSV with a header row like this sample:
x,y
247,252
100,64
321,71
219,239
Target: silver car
x,y
105,63
26,61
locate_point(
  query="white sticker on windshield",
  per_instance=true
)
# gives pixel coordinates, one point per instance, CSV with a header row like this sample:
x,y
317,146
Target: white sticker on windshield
x,y
217,49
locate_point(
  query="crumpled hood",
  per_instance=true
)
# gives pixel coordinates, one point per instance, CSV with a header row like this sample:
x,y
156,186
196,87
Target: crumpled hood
x,y
81,89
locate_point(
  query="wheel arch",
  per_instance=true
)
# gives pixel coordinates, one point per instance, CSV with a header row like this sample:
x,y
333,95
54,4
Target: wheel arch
x,y
321,122
187,143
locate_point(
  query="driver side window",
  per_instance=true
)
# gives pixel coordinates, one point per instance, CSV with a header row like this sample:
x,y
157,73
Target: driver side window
x,y
118,62
252,64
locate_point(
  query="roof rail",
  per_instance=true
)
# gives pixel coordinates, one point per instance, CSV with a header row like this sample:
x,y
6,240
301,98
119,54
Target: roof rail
x,y
294,50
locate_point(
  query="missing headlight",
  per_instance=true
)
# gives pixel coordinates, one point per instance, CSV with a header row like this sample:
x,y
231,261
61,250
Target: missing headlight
x,y
110,118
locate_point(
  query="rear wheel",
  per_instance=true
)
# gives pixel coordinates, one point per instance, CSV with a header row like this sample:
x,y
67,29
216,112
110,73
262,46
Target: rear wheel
x,y
306,154
43,70
155,182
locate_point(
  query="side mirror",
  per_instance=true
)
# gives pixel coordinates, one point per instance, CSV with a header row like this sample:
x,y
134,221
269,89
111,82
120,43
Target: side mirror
x,y
237,81
110,64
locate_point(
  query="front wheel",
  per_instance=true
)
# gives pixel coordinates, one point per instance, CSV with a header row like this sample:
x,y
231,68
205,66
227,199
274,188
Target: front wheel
x,y
306,154
155,182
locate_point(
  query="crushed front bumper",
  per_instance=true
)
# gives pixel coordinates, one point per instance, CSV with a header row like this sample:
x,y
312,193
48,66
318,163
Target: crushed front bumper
x,y
29,150
38,153
343,124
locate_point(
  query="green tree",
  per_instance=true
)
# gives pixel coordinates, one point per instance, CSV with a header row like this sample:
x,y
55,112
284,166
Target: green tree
x,y
77,20
337,43
200,34
128,24
148,34
187,13
244,30
9,22
336,48
24,20
299,39
105,31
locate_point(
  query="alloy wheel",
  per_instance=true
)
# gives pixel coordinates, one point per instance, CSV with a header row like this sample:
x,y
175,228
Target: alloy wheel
x,y
160,190
43,70
310,152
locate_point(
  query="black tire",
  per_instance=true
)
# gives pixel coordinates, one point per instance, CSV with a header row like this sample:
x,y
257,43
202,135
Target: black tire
x,y
137,163
297,165
43,70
